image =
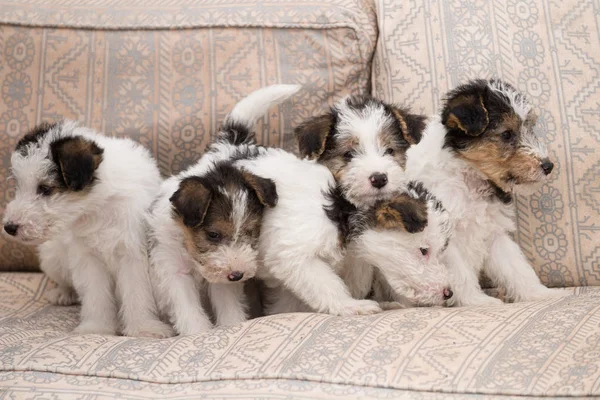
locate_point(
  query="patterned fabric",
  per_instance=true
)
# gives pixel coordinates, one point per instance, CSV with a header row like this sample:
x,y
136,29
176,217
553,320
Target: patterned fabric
x,y
170,89
546,48
547,348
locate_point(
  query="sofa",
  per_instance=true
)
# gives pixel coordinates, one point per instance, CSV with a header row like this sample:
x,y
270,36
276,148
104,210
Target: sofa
x,y
167,72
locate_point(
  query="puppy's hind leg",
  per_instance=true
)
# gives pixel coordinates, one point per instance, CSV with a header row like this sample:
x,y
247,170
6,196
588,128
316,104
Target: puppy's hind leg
x,y
139,312
229,303
315,283
508,267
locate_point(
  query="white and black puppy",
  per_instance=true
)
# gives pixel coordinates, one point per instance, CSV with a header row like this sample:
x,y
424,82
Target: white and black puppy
x,y
81,199
396,248
363,142
206,221
474,159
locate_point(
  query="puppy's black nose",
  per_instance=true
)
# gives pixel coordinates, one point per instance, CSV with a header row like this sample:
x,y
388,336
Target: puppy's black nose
x,y
235,276
448,294
547,166
378,180
11,228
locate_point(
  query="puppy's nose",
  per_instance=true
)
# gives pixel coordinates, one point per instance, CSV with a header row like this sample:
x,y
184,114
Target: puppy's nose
x,y
378,180
235,276
448,294
11,228
547,166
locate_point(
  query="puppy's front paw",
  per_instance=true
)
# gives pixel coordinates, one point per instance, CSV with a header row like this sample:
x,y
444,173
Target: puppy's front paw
x,y
480,299
542,293
97,328
391,305
62,296
150,329
359,307
194,329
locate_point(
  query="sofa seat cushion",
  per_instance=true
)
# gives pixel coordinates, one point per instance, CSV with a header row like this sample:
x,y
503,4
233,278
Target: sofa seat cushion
x,y
121,67
547,348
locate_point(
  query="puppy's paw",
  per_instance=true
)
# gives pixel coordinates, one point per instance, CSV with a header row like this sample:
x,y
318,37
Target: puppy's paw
x,y
62,296
359,307
194,329
542,293
402,212
150,329
391,305
480,299
231,320
97,328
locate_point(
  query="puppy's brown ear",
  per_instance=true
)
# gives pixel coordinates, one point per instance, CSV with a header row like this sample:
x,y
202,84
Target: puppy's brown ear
x,y
265,189
77,159
191,201
467,113
411,125
402,212
312,135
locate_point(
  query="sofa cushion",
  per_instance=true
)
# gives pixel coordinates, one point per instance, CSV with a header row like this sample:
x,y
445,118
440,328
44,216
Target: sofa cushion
x,y
547,49
129,73
547,348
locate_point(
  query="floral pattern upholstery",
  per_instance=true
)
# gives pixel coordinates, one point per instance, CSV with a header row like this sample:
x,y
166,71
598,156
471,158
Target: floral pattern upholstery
x,y
547,348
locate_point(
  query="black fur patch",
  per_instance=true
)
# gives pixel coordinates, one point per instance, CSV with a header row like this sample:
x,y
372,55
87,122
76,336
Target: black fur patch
x,y
340,212
76,159
236,133
501,195
34,135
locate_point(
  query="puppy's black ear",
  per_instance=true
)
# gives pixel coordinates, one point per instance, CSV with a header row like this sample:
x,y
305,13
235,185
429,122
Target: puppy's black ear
x,y
191,201
265,189
411,125
34,135
466,112
77,159
312,135
402,212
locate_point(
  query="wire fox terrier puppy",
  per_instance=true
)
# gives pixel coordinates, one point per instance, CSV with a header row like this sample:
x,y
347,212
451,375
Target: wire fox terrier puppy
x,y
81,198
205,224
395,248
474,158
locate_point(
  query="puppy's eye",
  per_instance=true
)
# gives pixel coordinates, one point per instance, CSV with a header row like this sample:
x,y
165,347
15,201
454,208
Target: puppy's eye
x,y
424,251
214,236
389,152
348,155
44,190
507,135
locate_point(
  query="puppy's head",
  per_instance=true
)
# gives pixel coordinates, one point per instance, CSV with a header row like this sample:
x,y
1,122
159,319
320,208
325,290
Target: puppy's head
x,y
490,125
363,142
407,237
55,168
221,214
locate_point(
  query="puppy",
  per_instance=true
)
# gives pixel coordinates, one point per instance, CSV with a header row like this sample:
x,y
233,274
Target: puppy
x,y
206,221
81,199
474,158
363,142
396,248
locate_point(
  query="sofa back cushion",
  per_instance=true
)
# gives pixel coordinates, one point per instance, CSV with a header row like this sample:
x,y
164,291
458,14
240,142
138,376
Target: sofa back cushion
x,y
548,50
121,68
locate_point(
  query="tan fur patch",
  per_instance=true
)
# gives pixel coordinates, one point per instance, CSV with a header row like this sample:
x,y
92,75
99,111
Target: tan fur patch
x,y
400,211
403,126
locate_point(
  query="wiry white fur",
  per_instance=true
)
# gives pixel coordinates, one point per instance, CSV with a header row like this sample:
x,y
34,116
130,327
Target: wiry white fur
x,y
390,262
94,241
365,126
178,279
517,100
482,225
299,246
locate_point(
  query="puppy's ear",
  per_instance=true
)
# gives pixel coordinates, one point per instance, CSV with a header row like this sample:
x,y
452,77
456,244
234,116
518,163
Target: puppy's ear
x,y
34,135
411,125
312,135
467,113
77,159
191,201
402,212
265,189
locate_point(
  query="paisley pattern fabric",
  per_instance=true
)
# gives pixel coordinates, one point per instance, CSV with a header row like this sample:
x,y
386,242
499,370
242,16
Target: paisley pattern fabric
x,y
547,348
170,89
548,50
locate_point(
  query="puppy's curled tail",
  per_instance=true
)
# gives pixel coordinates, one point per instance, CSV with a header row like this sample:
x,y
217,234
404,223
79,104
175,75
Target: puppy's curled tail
x,y
238,125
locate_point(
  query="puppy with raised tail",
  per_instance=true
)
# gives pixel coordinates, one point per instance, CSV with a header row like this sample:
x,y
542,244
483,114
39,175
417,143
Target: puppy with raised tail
x,y
81,198
475,157
206,221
